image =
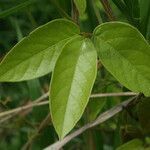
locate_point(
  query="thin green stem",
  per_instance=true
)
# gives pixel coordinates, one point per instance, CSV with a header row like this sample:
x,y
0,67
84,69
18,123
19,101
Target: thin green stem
x,y
97,13
31,18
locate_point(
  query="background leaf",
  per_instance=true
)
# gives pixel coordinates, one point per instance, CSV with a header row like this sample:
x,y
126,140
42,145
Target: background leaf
x,y
134,11
130,9
95,106
135,144
36,54
34,88
144,114
71,84
14,9
126,54
81,6
145,16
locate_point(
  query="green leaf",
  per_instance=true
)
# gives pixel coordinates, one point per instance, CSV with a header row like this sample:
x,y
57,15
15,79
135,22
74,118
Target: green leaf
x,y
129,8
34,88
36,54
60,8
71,84
134,9
16,25
135,144
122,7
14,9
125,53
133,6
145,15
81,6
95,106
144,114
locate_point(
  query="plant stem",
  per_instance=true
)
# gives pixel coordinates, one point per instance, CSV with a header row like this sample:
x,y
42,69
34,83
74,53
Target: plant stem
x,y
102,118
74,12
43,124
108,10
38,102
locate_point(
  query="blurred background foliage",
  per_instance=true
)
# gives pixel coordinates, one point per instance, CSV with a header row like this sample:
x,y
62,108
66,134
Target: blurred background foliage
x,y
24,130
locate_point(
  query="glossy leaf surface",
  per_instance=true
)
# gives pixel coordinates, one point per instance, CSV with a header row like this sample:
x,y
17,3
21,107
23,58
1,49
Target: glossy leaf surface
x,y
125,53
36,54
72,82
